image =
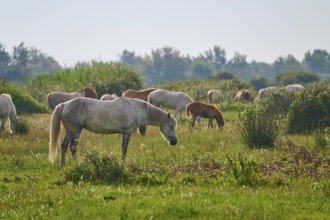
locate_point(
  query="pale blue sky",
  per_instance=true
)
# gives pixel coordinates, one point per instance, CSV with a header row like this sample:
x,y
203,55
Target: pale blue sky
x,y
78,30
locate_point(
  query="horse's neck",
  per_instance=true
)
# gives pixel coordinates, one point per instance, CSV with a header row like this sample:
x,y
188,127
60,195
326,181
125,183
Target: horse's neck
x,y
154,116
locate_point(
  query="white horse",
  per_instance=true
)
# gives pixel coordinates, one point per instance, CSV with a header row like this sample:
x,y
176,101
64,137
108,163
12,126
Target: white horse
x,y
215,96
109,97
7,110
269,90
172,100
55,98
122,115
294,88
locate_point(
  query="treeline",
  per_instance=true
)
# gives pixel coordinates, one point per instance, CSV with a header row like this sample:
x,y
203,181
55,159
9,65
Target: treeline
x,y
167,64
23,63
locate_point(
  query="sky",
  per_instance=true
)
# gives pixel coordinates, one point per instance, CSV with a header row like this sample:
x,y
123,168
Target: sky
x,y
74,31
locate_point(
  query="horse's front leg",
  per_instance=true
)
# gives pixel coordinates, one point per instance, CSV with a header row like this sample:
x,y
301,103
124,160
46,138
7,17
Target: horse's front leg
x,y
210,124
192,120
124,144
178,111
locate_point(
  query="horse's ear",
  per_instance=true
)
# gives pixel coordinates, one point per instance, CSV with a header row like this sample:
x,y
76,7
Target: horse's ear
x,y
168,115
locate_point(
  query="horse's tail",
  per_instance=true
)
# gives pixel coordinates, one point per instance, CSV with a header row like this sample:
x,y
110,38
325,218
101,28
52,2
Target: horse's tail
x,y
48,101
188,109
55,127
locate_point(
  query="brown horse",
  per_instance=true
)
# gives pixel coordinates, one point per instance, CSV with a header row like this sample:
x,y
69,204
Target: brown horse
x,y
89,93
243,95
204,110
143,95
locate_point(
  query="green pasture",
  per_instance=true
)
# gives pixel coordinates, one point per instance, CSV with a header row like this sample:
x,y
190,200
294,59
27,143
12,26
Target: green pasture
x,y
192,180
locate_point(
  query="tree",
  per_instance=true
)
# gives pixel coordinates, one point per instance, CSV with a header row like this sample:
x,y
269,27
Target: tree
x,y
216,57
296,77
318,61
239,66
200,69
5,60
166,64
259,83
286,64
223,75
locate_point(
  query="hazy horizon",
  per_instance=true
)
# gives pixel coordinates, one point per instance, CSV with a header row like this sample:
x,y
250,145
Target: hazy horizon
x,y
73,31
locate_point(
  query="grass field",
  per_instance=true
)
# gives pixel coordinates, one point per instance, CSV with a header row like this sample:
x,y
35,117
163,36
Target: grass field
x,y
209,174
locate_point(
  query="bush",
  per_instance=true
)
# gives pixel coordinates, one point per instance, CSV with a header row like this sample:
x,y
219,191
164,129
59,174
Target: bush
x,y
22,127
104,77
246,172
258,128
23,101
278,102
310,111
296,77
96,169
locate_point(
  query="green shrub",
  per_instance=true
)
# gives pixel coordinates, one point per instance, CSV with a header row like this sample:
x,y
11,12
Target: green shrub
x,y
104,77
258,128
278,102
22,127
96,169
23,101
246,172
310,111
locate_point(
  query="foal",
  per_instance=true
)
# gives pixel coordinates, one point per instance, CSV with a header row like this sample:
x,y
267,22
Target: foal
x,y
204,110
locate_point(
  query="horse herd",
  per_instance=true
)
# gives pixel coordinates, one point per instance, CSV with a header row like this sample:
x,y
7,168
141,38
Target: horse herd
x,y
112,114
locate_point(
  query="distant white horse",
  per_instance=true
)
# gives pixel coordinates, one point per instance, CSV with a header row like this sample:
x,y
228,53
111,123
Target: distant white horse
x,y
7,110
122,115
215,96
109,97
294,88
55,98
172,100
269,90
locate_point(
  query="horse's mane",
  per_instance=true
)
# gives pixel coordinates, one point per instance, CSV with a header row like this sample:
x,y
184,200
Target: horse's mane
x,y
155,113
7,95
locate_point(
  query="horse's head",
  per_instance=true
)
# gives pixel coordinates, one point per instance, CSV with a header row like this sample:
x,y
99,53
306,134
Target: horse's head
x,y
167,129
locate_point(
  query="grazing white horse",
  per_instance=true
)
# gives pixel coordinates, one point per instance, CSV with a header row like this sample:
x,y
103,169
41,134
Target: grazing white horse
x,y
55,98
172,100
109,97
215,96
122,115
7,110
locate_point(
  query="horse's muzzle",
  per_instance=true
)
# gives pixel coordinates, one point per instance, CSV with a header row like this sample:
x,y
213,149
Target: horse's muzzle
x,y
173,141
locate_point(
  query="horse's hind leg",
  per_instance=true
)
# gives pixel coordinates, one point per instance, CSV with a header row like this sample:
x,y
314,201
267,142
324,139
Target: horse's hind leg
x,y
65,145
3,122
74,143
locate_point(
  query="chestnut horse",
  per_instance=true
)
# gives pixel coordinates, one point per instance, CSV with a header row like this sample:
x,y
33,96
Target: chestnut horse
x,y
89,93
122,115
143,95
204,110
243,95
